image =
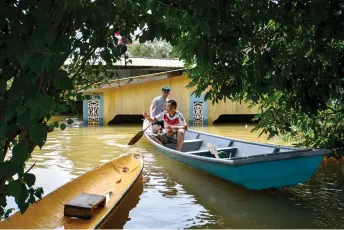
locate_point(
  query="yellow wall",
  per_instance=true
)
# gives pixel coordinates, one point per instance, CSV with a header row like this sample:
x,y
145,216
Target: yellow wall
x,y
135,98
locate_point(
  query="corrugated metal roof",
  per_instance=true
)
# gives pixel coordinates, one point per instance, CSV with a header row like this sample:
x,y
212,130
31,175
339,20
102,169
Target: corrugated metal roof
x,y
154,62
139,79
144,62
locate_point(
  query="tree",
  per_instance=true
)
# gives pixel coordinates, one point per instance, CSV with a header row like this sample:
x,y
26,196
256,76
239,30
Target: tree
x,y
36,38
152,49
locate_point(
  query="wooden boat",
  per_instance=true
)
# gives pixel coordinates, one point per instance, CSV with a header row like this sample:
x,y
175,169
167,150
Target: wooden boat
x,y
252,165
113,179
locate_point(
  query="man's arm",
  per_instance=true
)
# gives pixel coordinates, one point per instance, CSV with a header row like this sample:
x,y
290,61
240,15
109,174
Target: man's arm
x,y
148,117
153,119
152,107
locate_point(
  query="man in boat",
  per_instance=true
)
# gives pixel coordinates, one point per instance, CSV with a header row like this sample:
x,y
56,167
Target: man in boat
x,y
159,105
174,125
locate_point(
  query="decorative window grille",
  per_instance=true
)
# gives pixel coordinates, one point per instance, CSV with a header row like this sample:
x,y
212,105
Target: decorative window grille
x,y
198,113
93,113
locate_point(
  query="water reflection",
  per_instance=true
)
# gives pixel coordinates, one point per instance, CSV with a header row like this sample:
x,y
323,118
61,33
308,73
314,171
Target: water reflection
x,y
175,196
164,203
323,193
120,216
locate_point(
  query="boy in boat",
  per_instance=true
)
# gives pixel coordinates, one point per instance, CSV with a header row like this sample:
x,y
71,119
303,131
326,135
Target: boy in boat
x,y
174,125
159,105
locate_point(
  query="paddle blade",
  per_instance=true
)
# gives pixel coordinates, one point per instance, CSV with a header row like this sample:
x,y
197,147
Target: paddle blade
x,y
136,138
213,150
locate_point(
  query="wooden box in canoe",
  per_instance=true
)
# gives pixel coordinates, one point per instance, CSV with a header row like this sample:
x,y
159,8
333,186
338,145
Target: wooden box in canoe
x,y
82,197
252,165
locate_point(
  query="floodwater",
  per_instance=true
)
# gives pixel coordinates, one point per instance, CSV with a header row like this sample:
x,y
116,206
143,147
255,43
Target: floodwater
x,y
171,195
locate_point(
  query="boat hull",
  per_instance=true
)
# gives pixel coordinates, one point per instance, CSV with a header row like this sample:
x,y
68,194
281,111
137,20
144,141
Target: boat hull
x,y
249,169
109,178
271,174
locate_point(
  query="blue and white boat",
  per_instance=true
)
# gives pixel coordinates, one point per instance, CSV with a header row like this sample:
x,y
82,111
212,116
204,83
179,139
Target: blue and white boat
x,y
253,165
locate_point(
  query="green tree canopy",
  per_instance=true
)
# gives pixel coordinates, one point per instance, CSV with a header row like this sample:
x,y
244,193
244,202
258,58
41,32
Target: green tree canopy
x,y
152,49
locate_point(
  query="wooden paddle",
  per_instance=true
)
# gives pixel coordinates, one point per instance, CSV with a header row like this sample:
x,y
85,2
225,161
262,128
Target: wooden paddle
x,y
213,150
138,136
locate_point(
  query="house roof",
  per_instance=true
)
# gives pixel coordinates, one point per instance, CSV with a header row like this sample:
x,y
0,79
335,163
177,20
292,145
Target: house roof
x,y
141,62
140,79
151,62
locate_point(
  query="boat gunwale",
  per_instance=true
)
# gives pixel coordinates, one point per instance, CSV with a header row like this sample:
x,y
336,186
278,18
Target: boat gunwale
x,y
104,218
249,142
298,152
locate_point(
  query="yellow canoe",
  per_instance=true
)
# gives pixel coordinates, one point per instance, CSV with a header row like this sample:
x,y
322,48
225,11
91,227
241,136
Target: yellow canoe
x,y
115,178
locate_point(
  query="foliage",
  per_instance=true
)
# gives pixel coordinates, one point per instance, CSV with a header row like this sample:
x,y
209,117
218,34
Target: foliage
x,y
323,129
36,38
152,49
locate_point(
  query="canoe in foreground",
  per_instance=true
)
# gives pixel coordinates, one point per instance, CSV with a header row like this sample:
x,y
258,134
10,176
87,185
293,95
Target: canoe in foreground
x,y
252,165
113,179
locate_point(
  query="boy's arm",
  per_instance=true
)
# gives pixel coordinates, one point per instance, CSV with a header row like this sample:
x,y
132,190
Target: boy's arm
x,y
182,124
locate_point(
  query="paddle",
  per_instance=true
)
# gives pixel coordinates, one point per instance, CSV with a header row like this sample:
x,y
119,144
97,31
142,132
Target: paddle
x,y
138,136
213,150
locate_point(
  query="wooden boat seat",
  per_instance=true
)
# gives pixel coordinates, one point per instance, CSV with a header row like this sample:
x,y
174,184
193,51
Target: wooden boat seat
x,y
84,205
188,145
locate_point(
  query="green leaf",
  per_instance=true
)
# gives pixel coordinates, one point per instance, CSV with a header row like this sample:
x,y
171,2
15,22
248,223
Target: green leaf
x,y
50,37
21,201
30,179
3,129
20,152
61,108
8,212
12,45
21,109
62,81
24,58
38,134
12,129
23,206
24,119
3,84
45,102
38,193
13,188
37,113
36,65
8,169
65,44
63,126
56,124
7,73
50,128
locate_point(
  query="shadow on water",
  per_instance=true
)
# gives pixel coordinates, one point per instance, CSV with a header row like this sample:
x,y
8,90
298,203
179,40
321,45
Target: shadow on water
x,y
120,216
237,207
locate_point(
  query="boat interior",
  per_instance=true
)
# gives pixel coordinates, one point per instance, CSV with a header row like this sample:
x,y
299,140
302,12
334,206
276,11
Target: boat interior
x,y
197,144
